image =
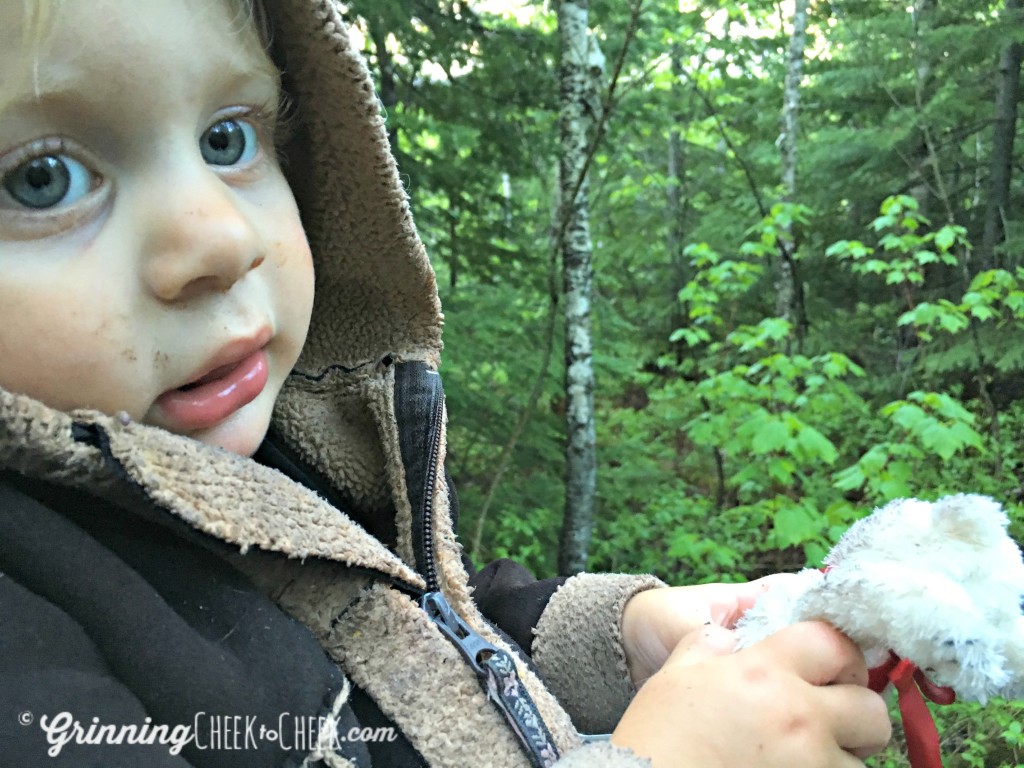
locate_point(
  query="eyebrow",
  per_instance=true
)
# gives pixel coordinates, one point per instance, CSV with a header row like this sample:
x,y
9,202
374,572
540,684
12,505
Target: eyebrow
x,y
67,94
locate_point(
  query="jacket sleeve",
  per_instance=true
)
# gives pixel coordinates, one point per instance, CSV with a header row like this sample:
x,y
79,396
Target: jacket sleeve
x,y
578,647
571,627
602,754
509,596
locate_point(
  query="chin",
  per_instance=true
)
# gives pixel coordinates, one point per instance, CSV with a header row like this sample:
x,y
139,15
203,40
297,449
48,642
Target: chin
x,y
244,430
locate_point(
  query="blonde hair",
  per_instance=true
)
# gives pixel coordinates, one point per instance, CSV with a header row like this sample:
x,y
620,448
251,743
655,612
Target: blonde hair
x,y
38,17
35,25
36,21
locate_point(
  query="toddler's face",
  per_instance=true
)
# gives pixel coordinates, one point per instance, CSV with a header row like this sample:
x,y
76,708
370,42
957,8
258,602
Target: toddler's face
x,y
152,260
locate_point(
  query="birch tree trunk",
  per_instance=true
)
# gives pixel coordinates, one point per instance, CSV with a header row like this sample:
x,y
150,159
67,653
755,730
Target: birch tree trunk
x,y
580,68
789,291
923,186
387,91
1003,135
674,193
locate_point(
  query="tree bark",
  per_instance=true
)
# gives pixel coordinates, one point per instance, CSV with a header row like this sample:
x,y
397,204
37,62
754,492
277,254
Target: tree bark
x,y
678,317
789,291
1003,134
581,66
386,91
926,174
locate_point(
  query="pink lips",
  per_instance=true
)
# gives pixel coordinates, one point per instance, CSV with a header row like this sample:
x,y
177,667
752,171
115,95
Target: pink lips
x,y
227,387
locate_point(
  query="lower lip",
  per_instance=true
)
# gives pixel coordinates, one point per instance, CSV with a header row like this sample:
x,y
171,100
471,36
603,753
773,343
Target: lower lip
x,y
209,404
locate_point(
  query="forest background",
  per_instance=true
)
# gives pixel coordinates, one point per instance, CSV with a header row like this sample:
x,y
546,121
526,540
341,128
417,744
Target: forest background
x,y
806,244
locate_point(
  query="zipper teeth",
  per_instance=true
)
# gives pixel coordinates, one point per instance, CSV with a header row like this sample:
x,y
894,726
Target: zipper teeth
x,y
430,565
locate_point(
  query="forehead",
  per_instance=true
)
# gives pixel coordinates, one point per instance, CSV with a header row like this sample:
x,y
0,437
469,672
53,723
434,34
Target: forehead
x,y
62,46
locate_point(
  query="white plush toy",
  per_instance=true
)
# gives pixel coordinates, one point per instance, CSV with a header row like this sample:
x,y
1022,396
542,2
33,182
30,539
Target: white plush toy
x,y
938,584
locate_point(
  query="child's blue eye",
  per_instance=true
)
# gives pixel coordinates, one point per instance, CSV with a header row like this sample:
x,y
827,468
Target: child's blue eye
x,y
48,181
229,142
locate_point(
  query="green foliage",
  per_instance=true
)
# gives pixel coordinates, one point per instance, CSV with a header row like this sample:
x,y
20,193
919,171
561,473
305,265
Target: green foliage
x,y
905,250
970,736
731,442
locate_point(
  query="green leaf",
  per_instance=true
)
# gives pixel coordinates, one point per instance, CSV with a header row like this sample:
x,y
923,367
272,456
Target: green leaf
x,y
794,525
849,479
909,416
816,445
781,469
771,436
953,323
938,439
945,238
874,460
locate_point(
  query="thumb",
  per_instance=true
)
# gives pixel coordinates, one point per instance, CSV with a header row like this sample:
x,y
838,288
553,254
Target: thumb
x,y
702,644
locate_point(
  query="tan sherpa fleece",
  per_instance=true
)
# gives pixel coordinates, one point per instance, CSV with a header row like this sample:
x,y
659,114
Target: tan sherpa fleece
x,y
587,670
376,295
376,305
604,755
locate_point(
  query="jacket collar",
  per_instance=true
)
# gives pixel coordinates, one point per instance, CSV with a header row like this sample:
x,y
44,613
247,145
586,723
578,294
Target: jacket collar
x,y
216,492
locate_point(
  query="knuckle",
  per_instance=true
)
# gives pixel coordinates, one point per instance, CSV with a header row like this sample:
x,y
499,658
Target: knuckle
x,y
879,714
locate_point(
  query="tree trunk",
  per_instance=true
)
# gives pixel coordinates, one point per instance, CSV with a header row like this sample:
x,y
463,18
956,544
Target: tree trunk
x,y
1003,134
678,317
789,291
387,92
926,175
580,68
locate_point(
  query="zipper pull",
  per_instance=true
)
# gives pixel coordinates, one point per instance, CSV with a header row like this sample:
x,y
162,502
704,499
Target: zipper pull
x,y
499,679
474,648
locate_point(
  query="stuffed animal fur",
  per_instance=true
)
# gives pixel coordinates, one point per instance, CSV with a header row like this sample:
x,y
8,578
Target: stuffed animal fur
x,y
940,584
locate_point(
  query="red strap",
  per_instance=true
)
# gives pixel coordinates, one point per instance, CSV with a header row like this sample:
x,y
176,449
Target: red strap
x,y
878,677
918,725
912,686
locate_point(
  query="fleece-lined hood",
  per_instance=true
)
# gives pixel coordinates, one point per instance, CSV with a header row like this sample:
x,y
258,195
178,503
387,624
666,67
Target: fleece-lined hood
x,y
376,296
375,290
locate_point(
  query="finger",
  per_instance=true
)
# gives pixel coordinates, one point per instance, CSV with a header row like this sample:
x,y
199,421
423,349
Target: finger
x,y
708,641
746,594
858,718
846,760
818,653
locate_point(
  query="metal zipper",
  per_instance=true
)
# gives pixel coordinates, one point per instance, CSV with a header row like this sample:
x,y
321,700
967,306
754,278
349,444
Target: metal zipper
x,y
496,672
427,518
494,668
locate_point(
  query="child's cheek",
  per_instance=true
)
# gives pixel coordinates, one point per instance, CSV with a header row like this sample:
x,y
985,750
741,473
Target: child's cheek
x,y
64,351
296,264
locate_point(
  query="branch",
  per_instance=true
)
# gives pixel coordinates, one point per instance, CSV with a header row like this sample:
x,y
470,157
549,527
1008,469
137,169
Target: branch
x,y
747,172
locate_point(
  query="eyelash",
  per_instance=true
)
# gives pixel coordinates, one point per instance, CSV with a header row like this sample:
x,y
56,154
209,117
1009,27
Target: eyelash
x,y
23,223
266,118
263,117
275,119
49,146
52,145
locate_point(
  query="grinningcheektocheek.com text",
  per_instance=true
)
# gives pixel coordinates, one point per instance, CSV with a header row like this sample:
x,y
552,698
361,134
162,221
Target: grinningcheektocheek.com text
x,y
206,732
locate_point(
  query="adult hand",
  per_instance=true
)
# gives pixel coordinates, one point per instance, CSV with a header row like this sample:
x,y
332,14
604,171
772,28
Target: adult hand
x,y
657,620
795,700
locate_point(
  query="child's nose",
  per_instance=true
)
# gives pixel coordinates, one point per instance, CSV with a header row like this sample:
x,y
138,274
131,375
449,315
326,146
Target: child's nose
x,y
200,241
